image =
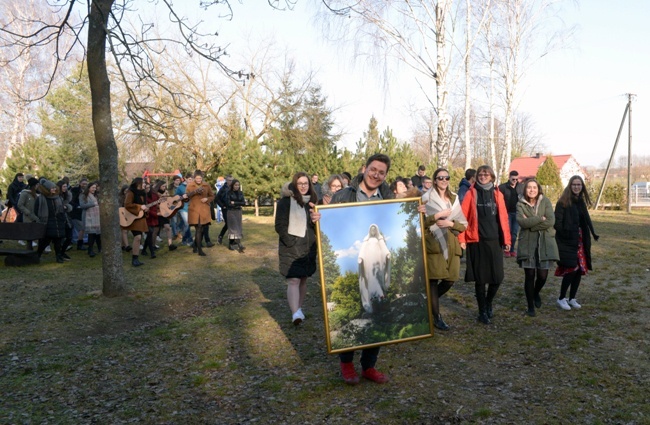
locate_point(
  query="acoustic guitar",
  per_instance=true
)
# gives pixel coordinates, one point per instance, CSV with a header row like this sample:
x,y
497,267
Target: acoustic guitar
x,y
171,205
127,218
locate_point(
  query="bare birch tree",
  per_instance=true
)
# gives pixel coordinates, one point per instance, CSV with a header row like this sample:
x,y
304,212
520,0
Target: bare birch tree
x,y
522,31
102,19
23,74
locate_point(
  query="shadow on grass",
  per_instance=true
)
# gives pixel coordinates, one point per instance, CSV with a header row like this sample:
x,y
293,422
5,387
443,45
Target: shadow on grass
x,y
308,338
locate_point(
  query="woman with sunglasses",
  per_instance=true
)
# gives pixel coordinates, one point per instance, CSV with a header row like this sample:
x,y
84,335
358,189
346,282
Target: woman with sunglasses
x,y
487,231
537,247
444,222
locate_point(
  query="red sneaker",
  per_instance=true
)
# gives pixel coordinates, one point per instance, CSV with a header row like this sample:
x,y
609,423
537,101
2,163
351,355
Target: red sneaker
x,y
374,375
349,374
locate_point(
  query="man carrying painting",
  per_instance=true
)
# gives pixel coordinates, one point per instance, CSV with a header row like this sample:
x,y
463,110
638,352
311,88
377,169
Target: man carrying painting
x,y
369,186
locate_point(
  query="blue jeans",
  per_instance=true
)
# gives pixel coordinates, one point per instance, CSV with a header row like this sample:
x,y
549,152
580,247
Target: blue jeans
x,y
514,229
187,233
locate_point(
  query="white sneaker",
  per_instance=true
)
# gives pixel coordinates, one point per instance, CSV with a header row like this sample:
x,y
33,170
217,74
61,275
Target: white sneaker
x,y
158,239
22,242
563,304
298,317
48,249
574,303
34,244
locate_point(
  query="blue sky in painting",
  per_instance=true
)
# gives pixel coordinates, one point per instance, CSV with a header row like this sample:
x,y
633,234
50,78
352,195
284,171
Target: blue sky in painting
x,y
347,226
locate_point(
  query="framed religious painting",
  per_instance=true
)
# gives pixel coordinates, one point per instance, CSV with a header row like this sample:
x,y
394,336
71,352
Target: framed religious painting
x,y
372,266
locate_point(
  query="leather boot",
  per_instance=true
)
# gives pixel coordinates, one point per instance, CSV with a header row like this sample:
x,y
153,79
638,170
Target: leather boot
x,y
491,293
480,299
135,262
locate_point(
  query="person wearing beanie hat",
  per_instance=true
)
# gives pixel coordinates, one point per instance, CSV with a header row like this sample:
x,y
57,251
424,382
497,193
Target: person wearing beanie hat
x,y
50,211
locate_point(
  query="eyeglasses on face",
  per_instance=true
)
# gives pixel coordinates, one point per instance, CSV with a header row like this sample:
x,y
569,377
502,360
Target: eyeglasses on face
x,y
441,178
302,184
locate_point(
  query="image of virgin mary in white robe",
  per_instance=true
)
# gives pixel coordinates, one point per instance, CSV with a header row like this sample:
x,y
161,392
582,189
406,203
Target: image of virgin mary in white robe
x,y
374,267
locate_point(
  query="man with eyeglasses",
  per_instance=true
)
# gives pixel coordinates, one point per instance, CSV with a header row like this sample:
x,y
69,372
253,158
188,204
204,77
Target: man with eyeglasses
x,y
511,191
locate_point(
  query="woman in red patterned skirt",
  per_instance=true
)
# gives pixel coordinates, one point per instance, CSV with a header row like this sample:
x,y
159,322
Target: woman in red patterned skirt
x,y
573,230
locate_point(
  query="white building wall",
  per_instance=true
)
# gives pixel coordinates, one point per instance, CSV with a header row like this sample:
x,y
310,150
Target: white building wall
x,y
571,168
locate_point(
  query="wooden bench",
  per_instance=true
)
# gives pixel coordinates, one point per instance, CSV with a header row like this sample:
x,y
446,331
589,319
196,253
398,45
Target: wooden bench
x,y
25,232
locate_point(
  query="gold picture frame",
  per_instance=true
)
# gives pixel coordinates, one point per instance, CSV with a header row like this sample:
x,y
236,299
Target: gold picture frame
x,y
373,273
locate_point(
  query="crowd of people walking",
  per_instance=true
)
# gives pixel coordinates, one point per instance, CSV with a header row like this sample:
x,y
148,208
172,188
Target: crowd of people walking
x,y
150,213
480,225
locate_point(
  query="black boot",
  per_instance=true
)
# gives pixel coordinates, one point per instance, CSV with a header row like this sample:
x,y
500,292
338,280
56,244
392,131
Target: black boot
x,y
91,243
135,262
491,293
440,324
480,299
198,240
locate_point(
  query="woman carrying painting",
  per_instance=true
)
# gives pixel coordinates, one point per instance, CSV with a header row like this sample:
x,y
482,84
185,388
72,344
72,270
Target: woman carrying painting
x,y
573,230
537,248
444,222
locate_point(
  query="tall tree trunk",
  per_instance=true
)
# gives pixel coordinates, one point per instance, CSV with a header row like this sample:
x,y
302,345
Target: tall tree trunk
x,y
442,145
492,143
468,142
19,127
114,283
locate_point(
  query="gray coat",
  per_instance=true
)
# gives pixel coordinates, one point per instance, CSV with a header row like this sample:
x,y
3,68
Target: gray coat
x,y
26,203
536,232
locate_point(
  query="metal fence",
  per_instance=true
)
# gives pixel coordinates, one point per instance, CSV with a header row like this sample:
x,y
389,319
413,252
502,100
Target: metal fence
x,y
640,197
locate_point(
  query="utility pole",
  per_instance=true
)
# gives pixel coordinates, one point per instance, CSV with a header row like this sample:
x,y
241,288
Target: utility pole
x,y
628,109
629,153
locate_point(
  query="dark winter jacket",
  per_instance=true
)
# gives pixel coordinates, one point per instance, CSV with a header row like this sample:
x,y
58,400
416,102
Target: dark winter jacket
x,y
222,197
463,187
297,254
236,200
13,192
50,210
76,213
568,221
349,194
511,195
535,232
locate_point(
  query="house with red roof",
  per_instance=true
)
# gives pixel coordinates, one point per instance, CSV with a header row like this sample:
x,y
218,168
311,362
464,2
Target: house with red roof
x,y
527,166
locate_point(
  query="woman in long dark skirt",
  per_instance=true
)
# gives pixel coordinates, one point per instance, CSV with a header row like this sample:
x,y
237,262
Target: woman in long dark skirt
x,y
487,231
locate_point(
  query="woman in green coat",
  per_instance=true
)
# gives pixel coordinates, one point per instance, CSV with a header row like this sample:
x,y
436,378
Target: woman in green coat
x,y
444,221
537,248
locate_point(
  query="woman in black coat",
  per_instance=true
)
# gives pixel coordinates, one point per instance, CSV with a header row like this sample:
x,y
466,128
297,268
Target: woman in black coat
x,y
573,230
50,210
297,244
